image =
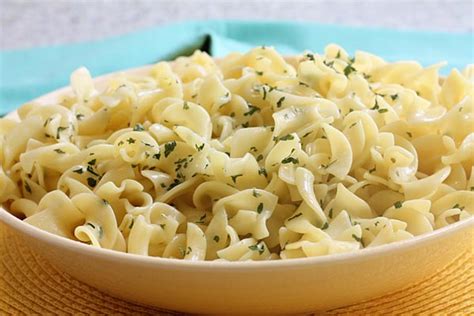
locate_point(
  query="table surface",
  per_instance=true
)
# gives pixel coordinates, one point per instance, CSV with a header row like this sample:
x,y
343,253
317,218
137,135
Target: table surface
x,y
30,23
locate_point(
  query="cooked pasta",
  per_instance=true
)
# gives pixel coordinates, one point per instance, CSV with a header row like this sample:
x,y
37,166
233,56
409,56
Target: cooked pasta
x,y
249,157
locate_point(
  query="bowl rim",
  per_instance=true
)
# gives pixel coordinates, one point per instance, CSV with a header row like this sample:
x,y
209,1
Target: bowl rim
x,y
360,255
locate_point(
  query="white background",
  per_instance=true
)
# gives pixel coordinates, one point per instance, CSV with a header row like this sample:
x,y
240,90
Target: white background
x,y
42,22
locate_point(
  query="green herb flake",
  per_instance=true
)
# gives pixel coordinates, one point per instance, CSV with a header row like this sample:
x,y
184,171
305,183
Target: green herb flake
x,y
280,102
359,239
383,110
263,171
201,219
189,250
91,225
348,70
259,157
394,97
91,182
59,151
259,73
138,127
131,140
78,171
157,156
294,216
258,247
79,116
306,135
303,84
260,208
330,213
185,105
376,105
169,147
338,54
216,238
325,226
398,204
458,207
290,160
287,137
264,93
90,169
199,147
372,170
234,177
252,110
59,130
92,162
255,193
409,134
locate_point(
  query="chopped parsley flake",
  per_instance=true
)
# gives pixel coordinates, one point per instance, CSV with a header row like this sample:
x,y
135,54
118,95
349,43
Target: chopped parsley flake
x,y
252,110
394,97
258,247
259,157
330,213
78,171
398,204
290,160
263,171
169,147
259,73
59,151
383,110
409,134
348,69
138,128
59,130
356,238
199,147
260,208
90,169
280,102
131,223
79,117
216,238
287,137
325,226
234,177
185,106
157,156
372,170
92,162
255,193
131,140
201,219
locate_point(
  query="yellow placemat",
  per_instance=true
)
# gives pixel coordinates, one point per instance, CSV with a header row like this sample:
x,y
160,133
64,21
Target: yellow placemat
x,y
29,284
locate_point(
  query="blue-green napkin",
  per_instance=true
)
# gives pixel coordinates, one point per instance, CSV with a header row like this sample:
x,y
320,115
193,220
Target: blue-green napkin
x,y
29,73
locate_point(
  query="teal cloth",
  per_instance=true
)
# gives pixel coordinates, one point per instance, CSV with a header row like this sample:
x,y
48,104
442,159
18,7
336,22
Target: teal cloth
x,y
29,73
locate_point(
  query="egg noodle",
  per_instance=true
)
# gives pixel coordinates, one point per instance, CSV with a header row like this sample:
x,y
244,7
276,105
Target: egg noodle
x,y
250,157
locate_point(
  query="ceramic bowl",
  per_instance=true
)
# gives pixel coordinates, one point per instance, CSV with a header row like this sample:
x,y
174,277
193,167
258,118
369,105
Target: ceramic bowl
x,y
282,286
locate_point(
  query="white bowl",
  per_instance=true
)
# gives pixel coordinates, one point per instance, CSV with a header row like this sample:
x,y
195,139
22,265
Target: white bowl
x,y
281,286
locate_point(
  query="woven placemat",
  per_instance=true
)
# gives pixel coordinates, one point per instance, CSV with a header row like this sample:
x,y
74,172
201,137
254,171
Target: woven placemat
x,y
30,285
